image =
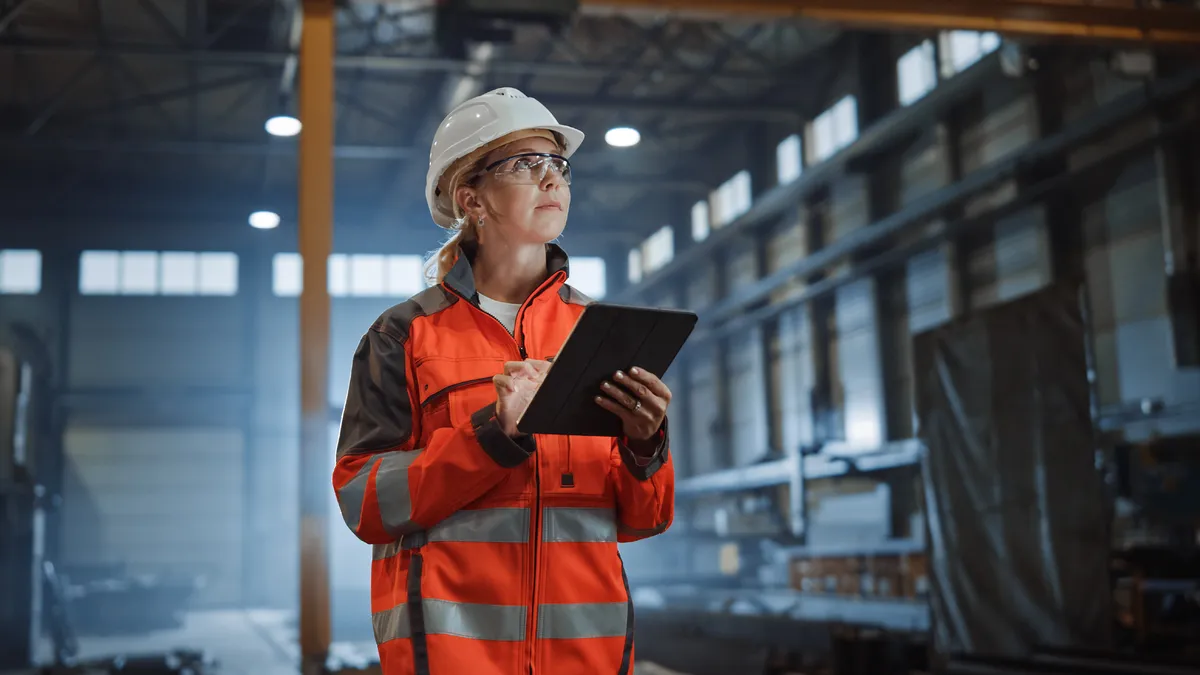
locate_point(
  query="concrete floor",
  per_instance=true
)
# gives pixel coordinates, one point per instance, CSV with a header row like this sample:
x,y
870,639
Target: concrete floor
x,y
243,642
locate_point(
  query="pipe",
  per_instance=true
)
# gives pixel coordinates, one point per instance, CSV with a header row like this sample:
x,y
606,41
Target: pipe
x,y
398,64
316,242
8,16
1062,19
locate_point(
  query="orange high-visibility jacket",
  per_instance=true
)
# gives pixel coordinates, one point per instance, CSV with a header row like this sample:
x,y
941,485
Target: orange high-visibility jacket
x,y
491,556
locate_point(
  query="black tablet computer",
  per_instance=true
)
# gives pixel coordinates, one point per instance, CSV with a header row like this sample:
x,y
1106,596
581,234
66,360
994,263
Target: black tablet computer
x,y
607,338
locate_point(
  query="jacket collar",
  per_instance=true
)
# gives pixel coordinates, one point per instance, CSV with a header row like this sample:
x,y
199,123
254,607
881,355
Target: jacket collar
x,y
461,278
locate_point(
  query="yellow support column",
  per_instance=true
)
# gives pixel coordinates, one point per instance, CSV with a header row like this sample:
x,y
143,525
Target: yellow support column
x,y
316,240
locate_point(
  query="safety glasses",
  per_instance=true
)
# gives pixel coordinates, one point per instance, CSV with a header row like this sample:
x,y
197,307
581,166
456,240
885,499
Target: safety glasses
x,y
529,168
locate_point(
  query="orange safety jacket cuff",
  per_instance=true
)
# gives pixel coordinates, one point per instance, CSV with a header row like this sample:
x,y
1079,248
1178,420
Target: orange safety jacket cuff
x,y
643,465
505,451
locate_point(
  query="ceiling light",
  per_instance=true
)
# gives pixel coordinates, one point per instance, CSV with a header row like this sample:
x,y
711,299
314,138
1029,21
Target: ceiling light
x,y
264,220
283,125
622,137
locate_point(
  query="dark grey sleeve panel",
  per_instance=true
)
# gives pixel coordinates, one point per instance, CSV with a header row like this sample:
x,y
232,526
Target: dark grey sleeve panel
x,y
507,452
645,469
573,296
378,414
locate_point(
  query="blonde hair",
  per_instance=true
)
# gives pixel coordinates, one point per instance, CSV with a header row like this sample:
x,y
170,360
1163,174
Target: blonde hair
x,y
464,227
466,172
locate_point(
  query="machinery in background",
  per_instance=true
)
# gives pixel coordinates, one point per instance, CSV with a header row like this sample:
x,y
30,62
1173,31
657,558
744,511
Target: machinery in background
x,y
457,23
857,580
37,599
28,493
66,645
1156,536
109,600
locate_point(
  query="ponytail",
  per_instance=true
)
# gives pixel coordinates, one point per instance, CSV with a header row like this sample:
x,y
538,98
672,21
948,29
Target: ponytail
x,y
464,229
442,260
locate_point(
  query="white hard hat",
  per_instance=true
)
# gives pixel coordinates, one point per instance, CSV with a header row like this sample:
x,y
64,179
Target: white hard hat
x,y
477,122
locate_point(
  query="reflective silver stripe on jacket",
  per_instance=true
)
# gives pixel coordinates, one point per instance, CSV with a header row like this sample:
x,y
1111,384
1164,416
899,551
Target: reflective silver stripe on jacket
x,y
506,623
391,490
501,623
583,620
579,525
493,526
510,525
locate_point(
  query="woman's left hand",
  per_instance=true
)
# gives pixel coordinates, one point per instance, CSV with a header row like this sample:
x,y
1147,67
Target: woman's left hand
x,y
640,399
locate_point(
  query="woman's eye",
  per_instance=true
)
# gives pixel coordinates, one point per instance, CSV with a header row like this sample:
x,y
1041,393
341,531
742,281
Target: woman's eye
x,y
523,165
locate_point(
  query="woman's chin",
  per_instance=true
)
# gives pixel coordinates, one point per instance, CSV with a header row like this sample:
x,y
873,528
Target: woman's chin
x,y
545,230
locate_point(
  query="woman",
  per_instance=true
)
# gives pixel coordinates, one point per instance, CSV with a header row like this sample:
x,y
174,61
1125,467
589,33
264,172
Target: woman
x,y
495,553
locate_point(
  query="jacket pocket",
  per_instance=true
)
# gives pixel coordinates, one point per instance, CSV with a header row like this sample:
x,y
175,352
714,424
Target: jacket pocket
x,y
449,386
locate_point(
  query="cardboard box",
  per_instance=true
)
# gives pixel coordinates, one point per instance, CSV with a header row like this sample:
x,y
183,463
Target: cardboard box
x,y
886,577
915,576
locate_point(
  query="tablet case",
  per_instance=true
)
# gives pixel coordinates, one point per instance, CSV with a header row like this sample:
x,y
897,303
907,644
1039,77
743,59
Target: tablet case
x,y
606,338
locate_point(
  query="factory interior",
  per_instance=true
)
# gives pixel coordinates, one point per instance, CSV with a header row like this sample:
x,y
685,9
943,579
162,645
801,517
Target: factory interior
x,y
940,411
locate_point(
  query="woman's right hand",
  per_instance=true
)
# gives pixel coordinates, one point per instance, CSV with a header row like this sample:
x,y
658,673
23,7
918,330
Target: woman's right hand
x,y
515,389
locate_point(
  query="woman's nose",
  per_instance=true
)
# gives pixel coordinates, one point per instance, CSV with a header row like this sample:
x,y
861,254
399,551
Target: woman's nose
x,y
552,179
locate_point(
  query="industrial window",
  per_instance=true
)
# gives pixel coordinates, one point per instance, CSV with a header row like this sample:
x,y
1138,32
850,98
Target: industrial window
x,y
960,49
731,200
700,221
916,73
20,272
833,130
356,275
287,274
635,265
158,273
588,275
658,249
789,159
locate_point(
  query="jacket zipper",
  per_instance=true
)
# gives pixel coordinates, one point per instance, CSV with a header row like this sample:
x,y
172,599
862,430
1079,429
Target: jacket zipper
x,y
519,328
518,338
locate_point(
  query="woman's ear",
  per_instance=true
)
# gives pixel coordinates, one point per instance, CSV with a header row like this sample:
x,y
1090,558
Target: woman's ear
x,y
468,199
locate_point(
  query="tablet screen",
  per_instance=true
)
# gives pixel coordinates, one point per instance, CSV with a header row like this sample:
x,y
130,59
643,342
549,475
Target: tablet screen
x,y
607,338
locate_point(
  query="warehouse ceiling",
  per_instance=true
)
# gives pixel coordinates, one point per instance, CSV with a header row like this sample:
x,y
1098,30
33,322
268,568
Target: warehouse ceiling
x,y
140,106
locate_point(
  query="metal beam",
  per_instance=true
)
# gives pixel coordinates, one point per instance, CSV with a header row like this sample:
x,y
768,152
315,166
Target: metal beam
x,y
1077,19
158,98
585,180
10,15
234,148
564,104
317,49
156,15
366,62
56,101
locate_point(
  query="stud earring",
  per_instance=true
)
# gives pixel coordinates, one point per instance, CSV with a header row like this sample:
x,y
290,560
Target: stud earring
x,y
481,219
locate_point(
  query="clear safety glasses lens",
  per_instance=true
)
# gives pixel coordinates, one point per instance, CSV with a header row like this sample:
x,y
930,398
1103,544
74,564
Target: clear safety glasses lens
x,y
530,168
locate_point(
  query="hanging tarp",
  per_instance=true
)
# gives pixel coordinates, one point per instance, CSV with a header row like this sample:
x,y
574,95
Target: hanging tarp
x,y
1017,529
